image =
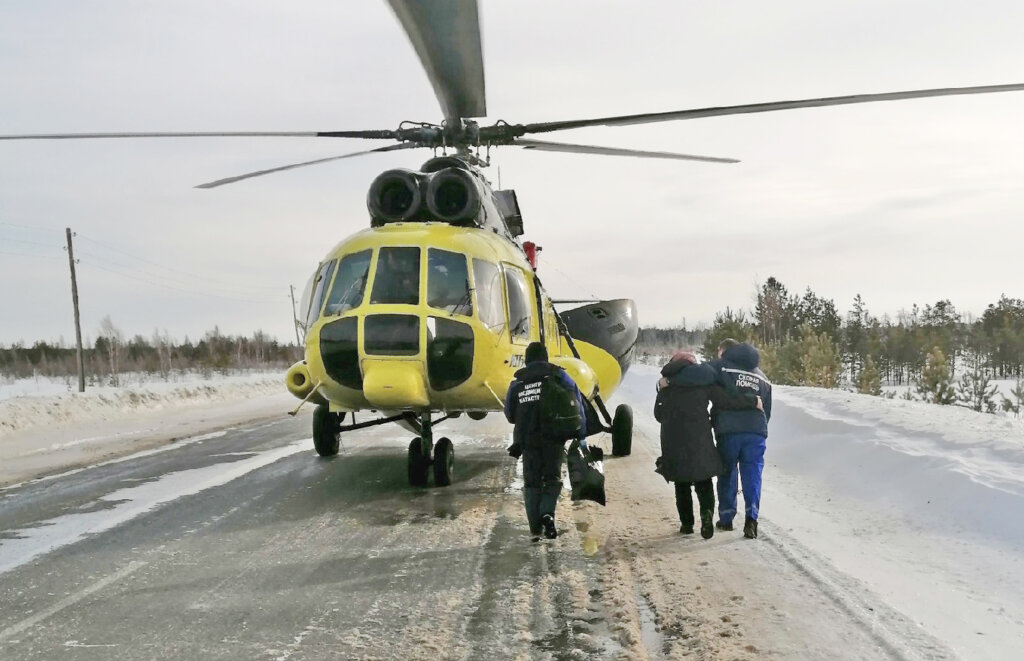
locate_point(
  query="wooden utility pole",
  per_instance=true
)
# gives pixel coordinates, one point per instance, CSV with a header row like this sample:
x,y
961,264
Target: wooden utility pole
x,y
78,323
295,321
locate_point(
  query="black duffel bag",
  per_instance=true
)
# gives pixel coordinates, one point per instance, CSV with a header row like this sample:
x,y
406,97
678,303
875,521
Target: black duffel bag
x,y
586,472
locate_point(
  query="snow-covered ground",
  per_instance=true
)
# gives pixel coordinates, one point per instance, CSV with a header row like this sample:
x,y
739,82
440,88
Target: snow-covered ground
x,y
46,401
923,504
918,506
45,427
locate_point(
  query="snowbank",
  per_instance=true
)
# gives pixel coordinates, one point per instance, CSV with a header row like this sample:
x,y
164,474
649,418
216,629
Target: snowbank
x,y
958,427
37,402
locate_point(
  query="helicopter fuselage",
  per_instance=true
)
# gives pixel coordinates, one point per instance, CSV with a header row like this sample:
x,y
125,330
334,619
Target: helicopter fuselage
x,y
432,316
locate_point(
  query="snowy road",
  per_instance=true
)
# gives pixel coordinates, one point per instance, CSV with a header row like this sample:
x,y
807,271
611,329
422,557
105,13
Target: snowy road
x,y
245,545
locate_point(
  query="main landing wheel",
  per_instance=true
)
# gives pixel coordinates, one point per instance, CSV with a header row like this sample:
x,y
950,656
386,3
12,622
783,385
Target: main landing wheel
x,y
444,460
326,433
419,463
622,431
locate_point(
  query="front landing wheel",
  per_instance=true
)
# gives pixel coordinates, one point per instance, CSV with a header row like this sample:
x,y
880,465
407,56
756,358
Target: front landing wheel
x,y
326,433
419,463
622,431
444,461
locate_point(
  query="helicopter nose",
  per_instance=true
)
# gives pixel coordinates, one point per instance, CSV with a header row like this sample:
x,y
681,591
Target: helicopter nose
x,y
395,384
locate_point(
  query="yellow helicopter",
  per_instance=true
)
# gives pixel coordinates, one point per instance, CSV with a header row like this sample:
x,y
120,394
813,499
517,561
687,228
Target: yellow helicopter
x,y
430,311
426,314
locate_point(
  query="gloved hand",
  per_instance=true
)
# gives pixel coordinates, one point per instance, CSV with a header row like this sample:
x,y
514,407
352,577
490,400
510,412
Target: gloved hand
x,y
515,451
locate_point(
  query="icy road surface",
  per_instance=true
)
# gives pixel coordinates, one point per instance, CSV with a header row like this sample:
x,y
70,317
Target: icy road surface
x,y
243,544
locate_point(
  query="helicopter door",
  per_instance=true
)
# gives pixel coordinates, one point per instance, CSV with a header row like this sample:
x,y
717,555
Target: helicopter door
x,y
323,277
489,301
349,283
520,312
448,282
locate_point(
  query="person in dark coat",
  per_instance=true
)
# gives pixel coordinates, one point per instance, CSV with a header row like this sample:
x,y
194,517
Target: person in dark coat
x,y
689,456
741,434
542,454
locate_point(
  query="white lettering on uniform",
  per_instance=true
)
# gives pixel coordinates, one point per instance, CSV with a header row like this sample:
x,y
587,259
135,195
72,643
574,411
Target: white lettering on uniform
x,y
530,393
747,381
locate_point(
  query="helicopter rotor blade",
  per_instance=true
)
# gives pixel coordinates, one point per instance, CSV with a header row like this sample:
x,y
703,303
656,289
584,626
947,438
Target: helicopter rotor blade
x,y
542,145
260,173
365,135
648,118
446,36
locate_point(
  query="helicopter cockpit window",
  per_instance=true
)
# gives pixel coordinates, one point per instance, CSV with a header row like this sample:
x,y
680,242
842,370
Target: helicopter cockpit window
x,y
397,279
323,277
520,312
488,293
349,283
448,282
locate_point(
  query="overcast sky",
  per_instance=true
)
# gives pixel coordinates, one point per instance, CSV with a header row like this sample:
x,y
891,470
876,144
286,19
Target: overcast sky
x,y
904,202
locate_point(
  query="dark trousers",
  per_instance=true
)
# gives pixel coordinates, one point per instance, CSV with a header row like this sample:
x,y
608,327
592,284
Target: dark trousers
x,y
542,480
684,500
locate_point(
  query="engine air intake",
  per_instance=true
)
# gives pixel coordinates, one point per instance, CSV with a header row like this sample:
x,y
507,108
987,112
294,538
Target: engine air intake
x,y
452,196
395,196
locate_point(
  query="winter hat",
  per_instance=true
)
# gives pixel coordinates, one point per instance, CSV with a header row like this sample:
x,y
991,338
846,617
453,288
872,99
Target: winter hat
x,y
535,352
685,356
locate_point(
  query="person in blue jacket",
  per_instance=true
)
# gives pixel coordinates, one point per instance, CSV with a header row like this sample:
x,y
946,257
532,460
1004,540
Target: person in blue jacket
x,y
741,434
688,454
542,453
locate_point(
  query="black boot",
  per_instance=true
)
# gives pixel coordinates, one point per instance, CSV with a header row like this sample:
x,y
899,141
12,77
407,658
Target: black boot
x,y
722,525
750,528
686,529
707,528
548,522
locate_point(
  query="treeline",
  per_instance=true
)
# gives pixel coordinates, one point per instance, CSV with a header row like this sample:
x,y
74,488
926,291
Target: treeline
x,y
662,341
112,355
939,353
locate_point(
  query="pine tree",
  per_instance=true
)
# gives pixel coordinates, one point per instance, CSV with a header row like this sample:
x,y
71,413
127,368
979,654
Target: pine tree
x,y
854,333
869,381
731,324
935,385
775,312
974,391
820,359
1015,405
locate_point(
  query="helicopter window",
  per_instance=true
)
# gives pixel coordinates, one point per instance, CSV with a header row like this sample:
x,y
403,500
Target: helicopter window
x,y
449,352
392,334
349,283
488,293
519,310
340,351
397,278
319,285
448,282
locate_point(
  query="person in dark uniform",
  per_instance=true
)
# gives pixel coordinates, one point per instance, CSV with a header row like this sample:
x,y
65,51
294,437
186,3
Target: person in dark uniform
x,y
542,453
741,434
689,456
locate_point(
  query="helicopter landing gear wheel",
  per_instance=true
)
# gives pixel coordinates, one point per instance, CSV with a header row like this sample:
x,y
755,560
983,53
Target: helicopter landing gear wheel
x,y
622,431
444,460
419,463
326,433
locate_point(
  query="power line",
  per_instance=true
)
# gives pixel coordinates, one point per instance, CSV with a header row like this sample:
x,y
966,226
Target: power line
x,y
31,254
179,289
205,284
136,257
572,280
32,229
35,243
